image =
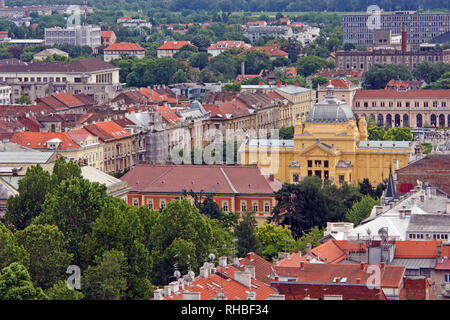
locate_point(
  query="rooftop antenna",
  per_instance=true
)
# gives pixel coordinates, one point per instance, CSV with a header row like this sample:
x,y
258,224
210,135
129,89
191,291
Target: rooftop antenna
x,y
85,12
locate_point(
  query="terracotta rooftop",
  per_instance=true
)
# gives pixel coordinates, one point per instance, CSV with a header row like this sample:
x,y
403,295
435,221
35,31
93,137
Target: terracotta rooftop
x,y
273,51
124,46
263,268
391,276
107,130
107,33
416,249
208,178
174,45
39,140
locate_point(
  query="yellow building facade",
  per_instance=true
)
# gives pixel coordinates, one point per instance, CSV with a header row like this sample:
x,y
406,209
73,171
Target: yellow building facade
x,y
329,145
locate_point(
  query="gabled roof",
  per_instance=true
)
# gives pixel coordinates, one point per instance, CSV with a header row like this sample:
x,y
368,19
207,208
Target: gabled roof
x,y
174,45
263,268
107,130
223,282
325,273
124,46
273,51
416,249
107,33
216,179
39,140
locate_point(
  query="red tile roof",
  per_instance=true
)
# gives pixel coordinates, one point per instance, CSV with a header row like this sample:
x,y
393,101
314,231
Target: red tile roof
x,y
38,140
208,178
68,99
443,266
223,281
174,45
124,46
168,114
107,130
416,249
107,34
391,276
293,260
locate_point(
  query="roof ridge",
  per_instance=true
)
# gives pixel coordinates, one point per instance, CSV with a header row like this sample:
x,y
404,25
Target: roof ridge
x,y
228,180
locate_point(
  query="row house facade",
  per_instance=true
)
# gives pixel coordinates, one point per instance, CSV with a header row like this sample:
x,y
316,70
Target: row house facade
x,y
413,108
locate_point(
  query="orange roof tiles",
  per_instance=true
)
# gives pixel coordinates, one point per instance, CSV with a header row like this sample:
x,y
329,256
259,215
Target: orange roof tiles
x,y
68,99
416,249
107,130
168,114
273,51
174,45
107,33
263,268
124,46
223,281
38,140
293,260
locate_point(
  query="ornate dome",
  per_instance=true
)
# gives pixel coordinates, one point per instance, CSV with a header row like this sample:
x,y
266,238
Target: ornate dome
x,y
330,110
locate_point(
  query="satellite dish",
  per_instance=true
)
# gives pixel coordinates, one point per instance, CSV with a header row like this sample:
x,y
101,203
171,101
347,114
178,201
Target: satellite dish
x,y
211,256
177,274
236,262
191,274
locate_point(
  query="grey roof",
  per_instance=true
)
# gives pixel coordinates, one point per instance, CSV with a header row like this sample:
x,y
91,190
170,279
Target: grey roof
x,y
6,190
26,157
415,263
271,143
382,144
343,164
429,223
330,110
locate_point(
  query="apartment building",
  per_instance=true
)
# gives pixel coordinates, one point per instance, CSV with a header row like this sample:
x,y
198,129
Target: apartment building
x,y
123,49
420,26
78,36
93,77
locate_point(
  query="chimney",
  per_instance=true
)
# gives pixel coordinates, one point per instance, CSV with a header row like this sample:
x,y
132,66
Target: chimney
x,y
271,177
191,295
167,291
439,252
223,261
378,210
358,280
243,69
251,295
404,38
382,266
283,255
251,270
308,249
301,265
422,198
158,294
174,286
362,267
243,278
204,272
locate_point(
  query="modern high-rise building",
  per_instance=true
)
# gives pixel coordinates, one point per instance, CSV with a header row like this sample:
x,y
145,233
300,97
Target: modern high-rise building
x,y
421,27
78,35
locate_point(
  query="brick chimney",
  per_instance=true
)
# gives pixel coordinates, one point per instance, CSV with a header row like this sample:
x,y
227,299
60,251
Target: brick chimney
x,y
404,38
158,294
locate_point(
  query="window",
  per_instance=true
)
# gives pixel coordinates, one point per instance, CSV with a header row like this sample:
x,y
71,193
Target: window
x,y
309,173
266,207
341,178
136,203
225,206
325,163
150,204
295,177
163,204
309,163
255,207
243,207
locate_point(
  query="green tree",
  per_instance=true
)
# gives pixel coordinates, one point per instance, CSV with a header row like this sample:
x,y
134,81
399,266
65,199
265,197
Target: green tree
x,y
376,133
201,42
399,134
15,284
274,239
33,188
286,133
72,207
63,170
318,81
233,87
10,250
365,187
245,234
379,75
60,291
361,209
199,60
48,255
23,100
309,65
180,220
107,279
